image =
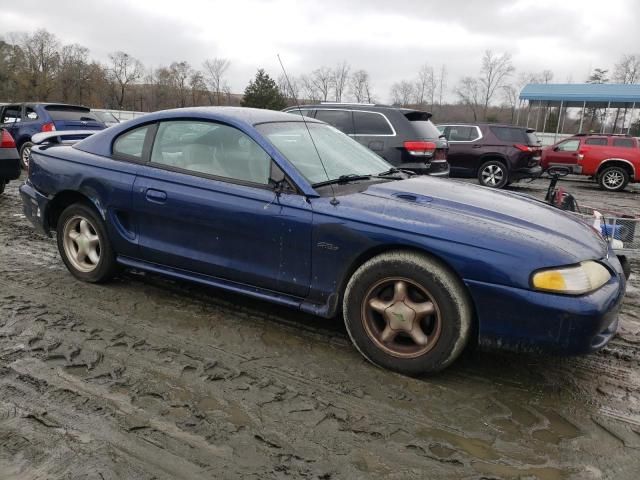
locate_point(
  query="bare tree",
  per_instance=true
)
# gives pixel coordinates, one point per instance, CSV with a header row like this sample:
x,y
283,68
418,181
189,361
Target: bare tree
x,y
124,70
425,85
41,53
442,84
197,86
180,73
493,75
214,70
359,86
289,89
510,95
339,80
402,93
470,92
627,70
73,73
322,79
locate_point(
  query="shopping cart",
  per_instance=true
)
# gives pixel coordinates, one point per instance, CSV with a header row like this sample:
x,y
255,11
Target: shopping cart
x,y
621,230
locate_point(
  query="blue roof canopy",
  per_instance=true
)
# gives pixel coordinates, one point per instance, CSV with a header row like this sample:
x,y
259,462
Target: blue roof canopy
x,y
598,95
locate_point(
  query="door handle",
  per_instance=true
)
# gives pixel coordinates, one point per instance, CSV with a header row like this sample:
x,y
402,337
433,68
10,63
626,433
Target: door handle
x,y
156,196
476,146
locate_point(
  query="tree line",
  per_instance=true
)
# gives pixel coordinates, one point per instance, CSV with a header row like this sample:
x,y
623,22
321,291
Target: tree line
x,y
38,67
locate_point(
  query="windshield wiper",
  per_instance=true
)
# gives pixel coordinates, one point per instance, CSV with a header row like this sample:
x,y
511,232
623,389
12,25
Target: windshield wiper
x,y
394,170
352,177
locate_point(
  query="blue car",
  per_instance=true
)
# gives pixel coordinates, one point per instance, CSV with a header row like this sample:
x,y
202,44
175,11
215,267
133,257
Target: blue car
x,y
23,120
293,211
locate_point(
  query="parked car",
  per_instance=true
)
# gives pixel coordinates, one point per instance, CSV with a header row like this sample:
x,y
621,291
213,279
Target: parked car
x,y
9,159
611,160
23,120
108,118
404,137
297,213
496,155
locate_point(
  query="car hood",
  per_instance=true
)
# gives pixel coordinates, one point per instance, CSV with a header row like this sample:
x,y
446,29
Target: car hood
x,y
509,217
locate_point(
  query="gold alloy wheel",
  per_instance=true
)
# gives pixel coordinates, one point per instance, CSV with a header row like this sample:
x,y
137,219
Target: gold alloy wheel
x,y
401,317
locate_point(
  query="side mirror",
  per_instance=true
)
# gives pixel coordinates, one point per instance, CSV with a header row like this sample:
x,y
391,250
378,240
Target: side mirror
x,y
555,149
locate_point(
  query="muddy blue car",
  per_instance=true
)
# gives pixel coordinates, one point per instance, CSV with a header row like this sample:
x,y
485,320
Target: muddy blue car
x,y
293,211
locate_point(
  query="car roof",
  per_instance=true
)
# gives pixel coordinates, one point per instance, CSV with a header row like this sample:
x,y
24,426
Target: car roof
x,y
357,106
99,143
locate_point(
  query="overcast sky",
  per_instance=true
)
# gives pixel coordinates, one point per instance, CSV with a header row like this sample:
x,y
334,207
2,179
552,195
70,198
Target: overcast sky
x,y
390,39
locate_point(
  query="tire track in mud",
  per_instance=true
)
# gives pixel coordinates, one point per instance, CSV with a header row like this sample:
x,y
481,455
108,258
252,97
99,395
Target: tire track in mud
x,y
149,363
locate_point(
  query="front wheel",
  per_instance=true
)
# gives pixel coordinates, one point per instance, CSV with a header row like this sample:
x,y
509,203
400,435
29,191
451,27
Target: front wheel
x,y
493,174
25,153
407,312
613,178
84,245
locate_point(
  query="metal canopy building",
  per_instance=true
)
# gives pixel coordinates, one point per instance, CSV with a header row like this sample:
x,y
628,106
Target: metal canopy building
x,y
581,95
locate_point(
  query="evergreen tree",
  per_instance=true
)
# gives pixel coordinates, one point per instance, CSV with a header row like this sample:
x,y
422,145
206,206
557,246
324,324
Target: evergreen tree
x,y
263,92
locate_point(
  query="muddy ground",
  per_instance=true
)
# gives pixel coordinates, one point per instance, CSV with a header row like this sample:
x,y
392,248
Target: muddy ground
x,y
150,378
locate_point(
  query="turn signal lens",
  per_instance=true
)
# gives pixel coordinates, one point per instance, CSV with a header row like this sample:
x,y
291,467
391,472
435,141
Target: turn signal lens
x,y
583,278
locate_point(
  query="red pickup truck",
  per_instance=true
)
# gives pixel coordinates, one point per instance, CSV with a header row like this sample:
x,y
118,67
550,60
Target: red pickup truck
x,y
612,160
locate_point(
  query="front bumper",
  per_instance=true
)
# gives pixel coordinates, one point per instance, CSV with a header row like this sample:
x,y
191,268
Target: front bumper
x,y
34,206
526,320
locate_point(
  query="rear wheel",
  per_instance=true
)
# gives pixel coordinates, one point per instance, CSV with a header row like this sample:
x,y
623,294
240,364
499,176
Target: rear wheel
x,y
407,312
84,245
493,174
25,152
613,178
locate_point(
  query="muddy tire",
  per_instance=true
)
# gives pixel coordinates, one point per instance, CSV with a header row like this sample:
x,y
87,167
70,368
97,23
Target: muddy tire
x,y
407,312
493,174
613,179
84,245
25,151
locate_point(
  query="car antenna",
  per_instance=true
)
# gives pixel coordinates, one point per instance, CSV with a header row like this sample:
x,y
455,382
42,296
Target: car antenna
x,y
334,200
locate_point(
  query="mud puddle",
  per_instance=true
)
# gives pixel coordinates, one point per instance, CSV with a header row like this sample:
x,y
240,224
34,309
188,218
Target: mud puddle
x,y
150,378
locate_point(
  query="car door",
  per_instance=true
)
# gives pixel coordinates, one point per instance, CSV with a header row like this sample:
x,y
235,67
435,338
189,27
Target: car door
x,y
465,149
374,131
203,203
563,153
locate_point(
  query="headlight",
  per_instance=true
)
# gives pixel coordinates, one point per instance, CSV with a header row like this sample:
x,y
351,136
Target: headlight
x,y
583,278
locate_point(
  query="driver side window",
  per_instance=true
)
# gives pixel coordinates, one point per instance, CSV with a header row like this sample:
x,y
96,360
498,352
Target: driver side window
x,y
568,146
212,149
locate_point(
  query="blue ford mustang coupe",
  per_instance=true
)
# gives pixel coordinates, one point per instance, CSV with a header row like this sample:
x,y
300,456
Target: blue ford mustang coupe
x,y
293,211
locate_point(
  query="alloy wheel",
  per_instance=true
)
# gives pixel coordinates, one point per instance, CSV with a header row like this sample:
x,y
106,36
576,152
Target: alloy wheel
x,y
613,179
492,175
81,244
401,318
26,151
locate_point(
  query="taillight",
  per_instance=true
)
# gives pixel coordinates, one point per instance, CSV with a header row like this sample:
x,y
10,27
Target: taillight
x,y
420,149
48,127
6,140
523,148
440,154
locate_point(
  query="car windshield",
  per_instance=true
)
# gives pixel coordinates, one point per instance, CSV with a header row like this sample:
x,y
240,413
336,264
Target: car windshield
x,y
341,155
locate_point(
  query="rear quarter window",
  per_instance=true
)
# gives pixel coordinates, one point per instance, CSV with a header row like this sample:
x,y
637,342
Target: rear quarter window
x,y
370,123
624,142
130,145
596,141
510,134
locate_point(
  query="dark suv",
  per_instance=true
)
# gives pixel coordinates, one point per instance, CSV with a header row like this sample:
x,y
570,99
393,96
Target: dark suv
x,y
496,154
404,137
23,120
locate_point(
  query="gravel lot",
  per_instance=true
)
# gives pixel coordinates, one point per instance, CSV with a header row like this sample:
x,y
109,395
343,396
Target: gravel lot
x,y
150,378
